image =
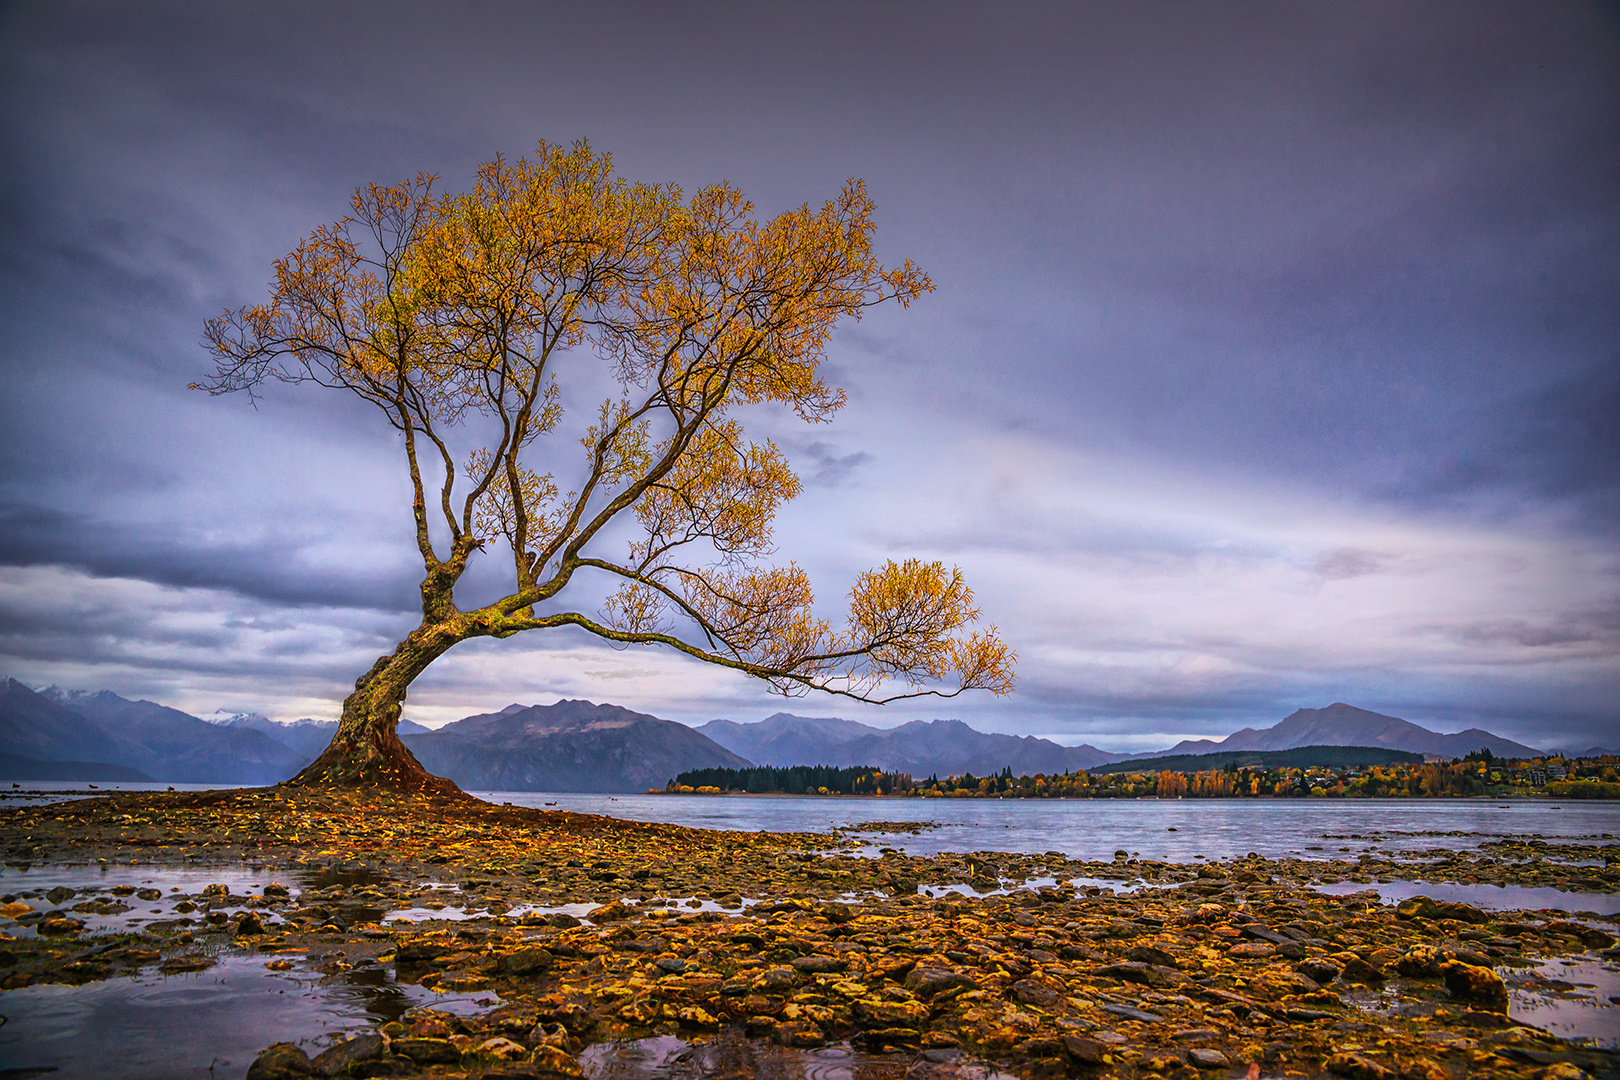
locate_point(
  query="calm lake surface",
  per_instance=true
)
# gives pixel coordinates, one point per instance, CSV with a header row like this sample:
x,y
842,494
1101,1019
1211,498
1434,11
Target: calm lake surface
x,y
1182,830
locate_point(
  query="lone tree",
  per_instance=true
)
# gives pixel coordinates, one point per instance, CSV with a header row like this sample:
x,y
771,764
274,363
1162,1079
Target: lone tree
x,y
455,315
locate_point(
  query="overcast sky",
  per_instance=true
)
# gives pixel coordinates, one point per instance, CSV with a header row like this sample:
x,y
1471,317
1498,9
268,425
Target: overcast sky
x,y
1274,358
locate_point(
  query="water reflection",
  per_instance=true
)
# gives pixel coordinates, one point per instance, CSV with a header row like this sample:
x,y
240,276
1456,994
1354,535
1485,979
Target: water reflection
x,y
732,1056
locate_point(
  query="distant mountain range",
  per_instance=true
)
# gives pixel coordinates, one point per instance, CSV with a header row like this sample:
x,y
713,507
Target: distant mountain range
x,y
47,734
569,746
1345,725
946,747
580,746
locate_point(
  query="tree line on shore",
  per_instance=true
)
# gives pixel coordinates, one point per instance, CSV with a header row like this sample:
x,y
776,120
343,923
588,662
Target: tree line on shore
x,y
1478,774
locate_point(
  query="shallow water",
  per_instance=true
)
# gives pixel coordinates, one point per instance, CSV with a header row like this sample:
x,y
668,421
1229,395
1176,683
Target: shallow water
x,y
1588,1010
205,1024
1487,897
730,1056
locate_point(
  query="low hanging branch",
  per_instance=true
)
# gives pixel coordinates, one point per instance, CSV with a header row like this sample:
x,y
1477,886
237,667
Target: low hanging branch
x,y
459,311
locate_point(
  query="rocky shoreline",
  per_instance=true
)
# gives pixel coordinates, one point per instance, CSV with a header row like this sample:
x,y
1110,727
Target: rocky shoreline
x,y
748,942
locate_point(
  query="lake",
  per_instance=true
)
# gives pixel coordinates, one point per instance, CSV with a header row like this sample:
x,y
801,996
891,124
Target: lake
x,y
1180,830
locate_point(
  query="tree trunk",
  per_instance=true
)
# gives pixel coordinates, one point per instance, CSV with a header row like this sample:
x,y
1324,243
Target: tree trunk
x,y
366,751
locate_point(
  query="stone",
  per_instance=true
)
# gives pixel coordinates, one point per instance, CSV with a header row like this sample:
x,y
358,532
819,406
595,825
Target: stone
x,y
419,952
776,980
248,925
1037,994
889,1014
1131,1012
1356,1067
1208,1059
1318,970
1420,962
1149,954
550,1061
930,982
1084,1050
615,911
427,1051
59,894
530,961
282,1061
1252,950
798,1033
335,1059
500,1049
819,965
1353,969
1479,985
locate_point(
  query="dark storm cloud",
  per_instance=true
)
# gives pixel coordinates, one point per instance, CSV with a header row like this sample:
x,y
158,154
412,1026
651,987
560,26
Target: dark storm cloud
x,y
266,569
1556,444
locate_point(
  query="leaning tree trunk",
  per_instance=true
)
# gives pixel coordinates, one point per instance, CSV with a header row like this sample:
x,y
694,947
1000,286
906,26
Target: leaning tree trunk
x,y
366,752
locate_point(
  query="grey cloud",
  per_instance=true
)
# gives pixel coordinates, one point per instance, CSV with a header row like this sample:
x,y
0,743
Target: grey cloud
x,y
829,468
1351,562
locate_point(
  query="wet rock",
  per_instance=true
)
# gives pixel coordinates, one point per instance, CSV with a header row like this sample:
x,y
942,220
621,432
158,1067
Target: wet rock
x,y
283,1061
1150,954
1356,1067
419,952
426,1051
889,1014
176,965
59,895
1208,1059
776,980
550,1061
1037,994
525,962
1478,985
1252,950
930,982
499,1048
819,965
1085,1051
614,911
335,1059
1131,1012
1421,907
1420,962
248,925
59,927
562,920
276,891
1353,969
798,1033
1318,970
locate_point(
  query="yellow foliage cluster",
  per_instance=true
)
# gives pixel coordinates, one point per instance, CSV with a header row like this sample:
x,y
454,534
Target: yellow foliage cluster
x,y
465,310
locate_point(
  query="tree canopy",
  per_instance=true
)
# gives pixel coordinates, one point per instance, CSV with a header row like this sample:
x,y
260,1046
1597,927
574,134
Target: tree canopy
x,y
456,315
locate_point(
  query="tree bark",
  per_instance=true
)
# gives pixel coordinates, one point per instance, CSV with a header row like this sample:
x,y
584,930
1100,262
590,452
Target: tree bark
x,y
366,751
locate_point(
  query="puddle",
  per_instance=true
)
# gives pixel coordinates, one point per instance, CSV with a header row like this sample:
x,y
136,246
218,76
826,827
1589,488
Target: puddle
x,y
1574,998
1488,897
729,1055
212,1023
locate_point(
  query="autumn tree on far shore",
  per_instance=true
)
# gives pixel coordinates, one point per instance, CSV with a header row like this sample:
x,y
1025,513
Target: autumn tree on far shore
x,y
457,315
